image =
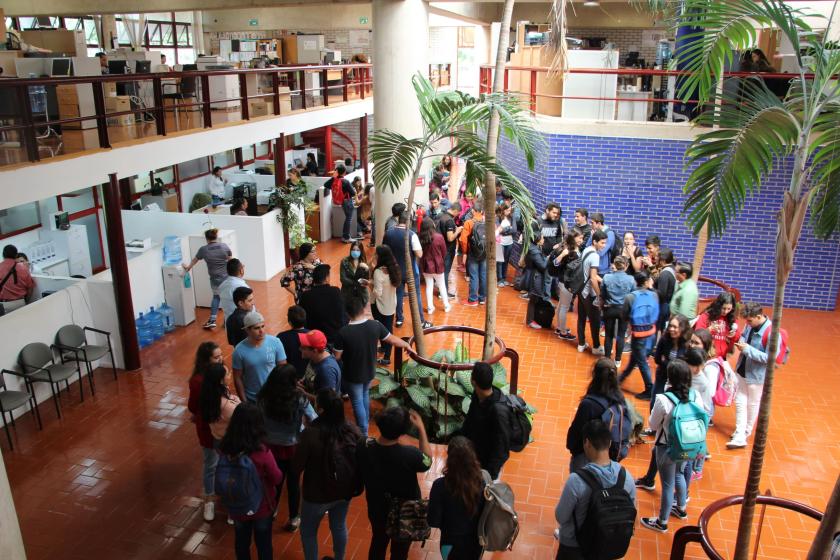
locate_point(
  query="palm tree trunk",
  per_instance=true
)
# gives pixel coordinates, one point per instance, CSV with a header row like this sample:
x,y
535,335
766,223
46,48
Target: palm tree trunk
x,y
489,187
700,250
828,528
413,304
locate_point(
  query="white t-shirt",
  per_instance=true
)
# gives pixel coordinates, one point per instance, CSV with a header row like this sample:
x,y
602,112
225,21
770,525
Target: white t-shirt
x,y
215,186
590,260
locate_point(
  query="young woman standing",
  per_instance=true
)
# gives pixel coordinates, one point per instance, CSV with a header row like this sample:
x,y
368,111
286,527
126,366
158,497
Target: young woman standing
x,y
432,264
216,401
386,278
208,353
571,251
504,241
349,265
633,253
720,319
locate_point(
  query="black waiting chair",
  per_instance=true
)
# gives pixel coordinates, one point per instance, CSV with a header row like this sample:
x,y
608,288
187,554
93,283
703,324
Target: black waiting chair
x,y
184,89
38,364
71,342
12,400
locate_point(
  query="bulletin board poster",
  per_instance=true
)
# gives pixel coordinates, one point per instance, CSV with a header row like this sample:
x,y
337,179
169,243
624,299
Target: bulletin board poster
x,y
359,38
651,37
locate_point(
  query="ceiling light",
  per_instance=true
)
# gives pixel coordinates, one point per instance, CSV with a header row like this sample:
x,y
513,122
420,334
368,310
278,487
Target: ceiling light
x,y
592,4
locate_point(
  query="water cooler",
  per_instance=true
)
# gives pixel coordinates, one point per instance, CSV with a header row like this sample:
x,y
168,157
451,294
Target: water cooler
x,y
179,297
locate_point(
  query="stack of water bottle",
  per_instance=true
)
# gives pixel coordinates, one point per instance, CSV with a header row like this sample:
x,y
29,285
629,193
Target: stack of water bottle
x,y
153,325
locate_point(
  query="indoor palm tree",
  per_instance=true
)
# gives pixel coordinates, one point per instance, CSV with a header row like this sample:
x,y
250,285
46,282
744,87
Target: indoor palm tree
x,y
752,130
457,119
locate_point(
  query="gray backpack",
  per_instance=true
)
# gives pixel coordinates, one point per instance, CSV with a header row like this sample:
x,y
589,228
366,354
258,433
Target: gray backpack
x,y
498,525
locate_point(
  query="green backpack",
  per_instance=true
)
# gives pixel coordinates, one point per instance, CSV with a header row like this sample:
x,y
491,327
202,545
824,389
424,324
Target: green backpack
x,y
687,429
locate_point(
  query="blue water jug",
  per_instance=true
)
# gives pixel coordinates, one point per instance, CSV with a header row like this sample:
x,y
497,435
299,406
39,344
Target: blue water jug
x,y
155,323
144,331
168,315
172,250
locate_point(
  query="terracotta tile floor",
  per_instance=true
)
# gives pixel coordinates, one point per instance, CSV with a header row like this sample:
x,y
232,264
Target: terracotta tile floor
x,y
119,476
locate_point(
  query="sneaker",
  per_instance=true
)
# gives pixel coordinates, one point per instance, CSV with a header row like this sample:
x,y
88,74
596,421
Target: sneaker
x,y
348,240
524,295
618,364
534,325
711,423
430,310
653,524
230,520
696,476
293,524
567,335
427,325
678,513
383,362
582,347
598,351
447,309
209,511
647,432
501,284
736,443
469,303
210,324
708,457
399,323
557,534
645,484
602,333
643,396
452,295
481,302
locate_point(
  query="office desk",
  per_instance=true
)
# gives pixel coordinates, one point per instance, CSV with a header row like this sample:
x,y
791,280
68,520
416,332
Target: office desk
x,y
209,209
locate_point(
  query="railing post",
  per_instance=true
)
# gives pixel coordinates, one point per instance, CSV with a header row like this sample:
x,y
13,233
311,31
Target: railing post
x,y
101,118
325,88
243,96
205,100
533,91
275,89
344,84
302,80
363,73
363,146
160,117
29,131
505,86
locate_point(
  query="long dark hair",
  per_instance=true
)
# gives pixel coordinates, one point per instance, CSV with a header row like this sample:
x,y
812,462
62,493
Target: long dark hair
x,y
462,473
331,421
715,309
605,380
203,355
569,240
213,388
427,233
706,338
385,259
361,247
679,376
685,330
280,397
246,431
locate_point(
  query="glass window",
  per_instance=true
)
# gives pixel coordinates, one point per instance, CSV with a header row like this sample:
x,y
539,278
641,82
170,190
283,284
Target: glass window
x,y
122,33
184,35
73,24
142,183
186,56
19,217
77,201
91,36
167,175
27,22
9,23
262,149
247,153
193,168
166,34
224,159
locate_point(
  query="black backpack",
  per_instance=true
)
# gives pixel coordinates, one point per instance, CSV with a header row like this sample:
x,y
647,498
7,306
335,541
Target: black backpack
x,y
616,416
520,421
610,519
477,241
573,277
617,247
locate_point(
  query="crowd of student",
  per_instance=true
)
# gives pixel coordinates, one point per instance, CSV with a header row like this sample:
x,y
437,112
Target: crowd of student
x,y
285,411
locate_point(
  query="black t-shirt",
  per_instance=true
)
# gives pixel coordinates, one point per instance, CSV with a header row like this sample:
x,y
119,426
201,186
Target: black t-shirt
x,y
390,469
358,342
447,513
324,310
233,327
446,224
291,343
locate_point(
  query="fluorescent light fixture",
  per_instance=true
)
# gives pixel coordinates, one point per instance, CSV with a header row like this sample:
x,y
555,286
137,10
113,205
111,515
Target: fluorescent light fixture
x,y
592,4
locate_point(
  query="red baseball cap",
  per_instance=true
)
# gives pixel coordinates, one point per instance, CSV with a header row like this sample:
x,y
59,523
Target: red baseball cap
x,y
313,339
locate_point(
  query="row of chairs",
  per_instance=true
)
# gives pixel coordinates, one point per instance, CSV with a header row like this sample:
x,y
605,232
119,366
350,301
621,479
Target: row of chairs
x,y
37,362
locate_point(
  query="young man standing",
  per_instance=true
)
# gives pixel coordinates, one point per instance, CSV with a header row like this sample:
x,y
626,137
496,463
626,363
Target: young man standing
x,y
587,308
396,211
488,421
573,506
235,270
345,200
552,229
449,231
235,323
641,307
473,245
323,304
665,284
605,253
355,346
216,255
326,371
255,358
616,286
296,316
582,225
395,239
684,300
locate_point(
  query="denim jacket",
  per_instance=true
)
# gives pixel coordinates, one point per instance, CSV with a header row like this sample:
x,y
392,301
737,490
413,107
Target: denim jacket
x,y
754,355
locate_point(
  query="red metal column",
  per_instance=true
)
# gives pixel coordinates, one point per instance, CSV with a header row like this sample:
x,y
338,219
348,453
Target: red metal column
x,y
533,91
125,193
280,161
328,155
119,273
237,153
363,144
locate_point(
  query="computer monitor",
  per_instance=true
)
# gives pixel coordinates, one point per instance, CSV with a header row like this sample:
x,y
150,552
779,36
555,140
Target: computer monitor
x,y
61,67
143,67
190,67
117,67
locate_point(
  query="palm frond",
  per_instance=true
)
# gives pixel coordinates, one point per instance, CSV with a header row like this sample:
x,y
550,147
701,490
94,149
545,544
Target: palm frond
x,y
731,162
824,197
517,125
394,157
719,28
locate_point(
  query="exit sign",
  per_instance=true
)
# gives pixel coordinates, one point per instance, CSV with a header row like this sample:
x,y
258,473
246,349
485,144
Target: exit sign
x,y
253,22
363,20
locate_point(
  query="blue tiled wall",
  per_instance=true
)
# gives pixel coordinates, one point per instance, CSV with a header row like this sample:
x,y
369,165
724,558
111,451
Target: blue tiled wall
x,y
637,183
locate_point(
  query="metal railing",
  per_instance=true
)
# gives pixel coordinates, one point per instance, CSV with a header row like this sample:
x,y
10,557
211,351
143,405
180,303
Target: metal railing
x,y
18,116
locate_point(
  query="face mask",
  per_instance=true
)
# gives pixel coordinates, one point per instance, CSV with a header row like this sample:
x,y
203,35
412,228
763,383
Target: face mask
x,y
355,254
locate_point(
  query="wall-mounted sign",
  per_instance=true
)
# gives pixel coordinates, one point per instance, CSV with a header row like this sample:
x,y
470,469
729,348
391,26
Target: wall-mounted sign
x,y
363,20
420,181
253,22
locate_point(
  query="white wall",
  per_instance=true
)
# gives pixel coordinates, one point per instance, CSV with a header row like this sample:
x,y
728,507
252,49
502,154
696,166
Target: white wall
x,y
146,278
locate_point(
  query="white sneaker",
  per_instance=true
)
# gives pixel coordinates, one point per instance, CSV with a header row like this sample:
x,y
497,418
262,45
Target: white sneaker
x,y
582,347
736,443
209,511
430,310
230,520
618,364
447,309
598,351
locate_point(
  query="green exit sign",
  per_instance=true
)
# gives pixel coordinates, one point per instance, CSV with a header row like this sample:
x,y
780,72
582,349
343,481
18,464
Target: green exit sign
x,y
363,20
253,22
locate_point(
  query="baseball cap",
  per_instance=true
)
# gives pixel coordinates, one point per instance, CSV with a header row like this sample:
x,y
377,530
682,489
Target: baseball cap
x,y
251,319
313,339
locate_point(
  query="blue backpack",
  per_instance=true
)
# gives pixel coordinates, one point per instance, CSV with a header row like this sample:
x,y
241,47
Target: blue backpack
x,y
616,416
238,484
686,429
644,311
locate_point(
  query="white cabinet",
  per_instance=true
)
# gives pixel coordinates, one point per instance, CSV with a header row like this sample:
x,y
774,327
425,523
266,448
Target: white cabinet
x,y
200,277
224,87
72,244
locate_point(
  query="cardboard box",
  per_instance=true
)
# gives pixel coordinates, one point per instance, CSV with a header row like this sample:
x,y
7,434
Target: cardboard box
x,y
117,104
258,108
285,100
67,95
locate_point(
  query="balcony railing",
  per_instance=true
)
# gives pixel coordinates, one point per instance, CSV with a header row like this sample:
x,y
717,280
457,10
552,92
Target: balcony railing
x,y
43,117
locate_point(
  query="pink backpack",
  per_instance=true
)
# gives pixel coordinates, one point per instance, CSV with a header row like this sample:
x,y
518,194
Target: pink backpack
x,y
727,384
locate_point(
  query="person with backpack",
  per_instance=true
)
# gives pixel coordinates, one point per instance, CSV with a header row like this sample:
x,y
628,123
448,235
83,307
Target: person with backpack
x,y
570,253
473,244
751,368
395,239
597,509
389,470
611,249
323,371
641,307
207,354
539,312
245,480
720,318
488,422
702,382
587,287
324,303
285,407
432,264
343,195
603,400
326,456
456,501
617,284
680,424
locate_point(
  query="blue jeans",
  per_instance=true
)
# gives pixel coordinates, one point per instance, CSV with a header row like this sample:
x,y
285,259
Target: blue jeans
x,y
670,474
401,294
214,307
360,401
211,459
502,267
261,529
477,271
347,206
638,357
310,519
